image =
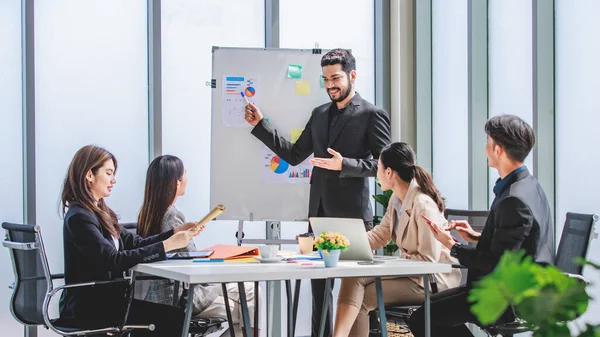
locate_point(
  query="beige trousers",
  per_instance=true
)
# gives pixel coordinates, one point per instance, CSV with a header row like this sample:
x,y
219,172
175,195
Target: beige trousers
x,y
217,307
361,293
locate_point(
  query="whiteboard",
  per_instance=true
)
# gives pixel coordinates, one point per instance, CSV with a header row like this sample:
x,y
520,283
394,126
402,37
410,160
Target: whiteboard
x,y
237,160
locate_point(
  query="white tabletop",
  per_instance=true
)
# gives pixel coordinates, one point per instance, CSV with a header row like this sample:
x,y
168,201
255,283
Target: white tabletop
x,y
219,272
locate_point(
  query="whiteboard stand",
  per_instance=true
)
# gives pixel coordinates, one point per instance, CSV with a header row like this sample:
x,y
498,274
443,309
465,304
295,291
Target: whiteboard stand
x,y
274,298
274,307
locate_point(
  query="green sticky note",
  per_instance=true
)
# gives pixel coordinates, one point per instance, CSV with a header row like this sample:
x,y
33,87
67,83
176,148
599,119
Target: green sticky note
x,y
294,71
322,81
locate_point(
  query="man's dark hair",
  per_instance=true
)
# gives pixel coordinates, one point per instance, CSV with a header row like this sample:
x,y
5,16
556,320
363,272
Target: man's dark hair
x,y
512,133
339,56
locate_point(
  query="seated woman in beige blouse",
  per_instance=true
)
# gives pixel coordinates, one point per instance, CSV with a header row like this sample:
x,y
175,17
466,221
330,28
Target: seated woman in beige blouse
x,y
414,195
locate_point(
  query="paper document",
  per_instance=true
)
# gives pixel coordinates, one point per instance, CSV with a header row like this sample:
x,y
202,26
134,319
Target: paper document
x,y
233,103
277,171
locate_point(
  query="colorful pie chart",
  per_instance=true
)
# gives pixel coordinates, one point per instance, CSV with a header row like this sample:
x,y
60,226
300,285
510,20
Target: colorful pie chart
x,y
279,165
250,92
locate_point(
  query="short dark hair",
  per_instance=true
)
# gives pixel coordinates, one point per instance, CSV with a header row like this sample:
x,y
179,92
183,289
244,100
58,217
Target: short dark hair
x,y
513,134
339,56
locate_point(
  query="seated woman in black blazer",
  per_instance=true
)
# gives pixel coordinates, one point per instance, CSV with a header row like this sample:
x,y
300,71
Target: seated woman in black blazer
x,y
97,248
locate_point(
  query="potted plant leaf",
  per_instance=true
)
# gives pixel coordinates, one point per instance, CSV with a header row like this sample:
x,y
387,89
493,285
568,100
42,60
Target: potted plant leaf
x,y
542,296
384,199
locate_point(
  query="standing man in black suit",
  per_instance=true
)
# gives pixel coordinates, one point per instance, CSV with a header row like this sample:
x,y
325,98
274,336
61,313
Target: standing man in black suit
x,y
346,137
519,218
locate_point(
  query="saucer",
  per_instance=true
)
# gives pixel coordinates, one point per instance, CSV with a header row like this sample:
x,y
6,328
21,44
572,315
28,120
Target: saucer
x,y
269,259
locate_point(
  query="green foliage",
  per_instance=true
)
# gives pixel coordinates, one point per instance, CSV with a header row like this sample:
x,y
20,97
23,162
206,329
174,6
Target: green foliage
x,y
384,199
544,297
591,331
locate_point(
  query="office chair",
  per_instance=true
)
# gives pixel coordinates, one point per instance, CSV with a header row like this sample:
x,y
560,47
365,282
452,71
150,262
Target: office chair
x,y
577,234
33,288
199,326
401,313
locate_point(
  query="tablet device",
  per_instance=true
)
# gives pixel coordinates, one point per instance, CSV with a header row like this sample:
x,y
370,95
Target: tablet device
x,y
189,255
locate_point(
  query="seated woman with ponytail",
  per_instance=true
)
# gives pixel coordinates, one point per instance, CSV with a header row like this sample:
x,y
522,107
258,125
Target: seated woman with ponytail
x,y
414,195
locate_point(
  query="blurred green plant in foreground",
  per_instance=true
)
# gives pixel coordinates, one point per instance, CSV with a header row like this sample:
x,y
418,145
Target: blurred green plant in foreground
x,y
543,296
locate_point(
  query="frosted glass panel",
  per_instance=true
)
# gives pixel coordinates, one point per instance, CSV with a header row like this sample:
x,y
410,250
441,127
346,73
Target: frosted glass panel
x,y
186,62
91,88
510,64
450,101
577,106
334,24
11,170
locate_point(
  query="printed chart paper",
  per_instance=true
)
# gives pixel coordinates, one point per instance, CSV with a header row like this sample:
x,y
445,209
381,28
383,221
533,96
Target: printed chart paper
x,y
233,102
278,171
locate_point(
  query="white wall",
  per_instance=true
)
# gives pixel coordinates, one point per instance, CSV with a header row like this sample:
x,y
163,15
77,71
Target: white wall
x,y
510,64
577,119
11,170
91,88
450,101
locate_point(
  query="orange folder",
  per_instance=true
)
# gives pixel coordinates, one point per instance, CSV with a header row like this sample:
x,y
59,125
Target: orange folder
x,y
228,252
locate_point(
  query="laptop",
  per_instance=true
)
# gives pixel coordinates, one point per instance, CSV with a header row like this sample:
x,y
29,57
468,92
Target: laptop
x,y
353,230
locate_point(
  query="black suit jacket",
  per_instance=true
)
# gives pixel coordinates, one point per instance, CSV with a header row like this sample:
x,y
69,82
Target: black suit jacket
x,y
359,135
519,218
90,255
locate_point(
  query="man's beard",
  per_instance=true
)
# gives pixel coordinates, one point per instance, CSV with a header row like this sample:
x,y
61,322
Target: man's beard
x,y
343,94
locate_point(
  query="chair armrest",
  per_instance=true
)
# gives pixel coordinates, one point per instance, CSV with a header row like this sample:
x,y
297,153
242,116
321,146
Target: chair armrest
x,y
54,277
86,284
51,294
57,276
458,266
579,278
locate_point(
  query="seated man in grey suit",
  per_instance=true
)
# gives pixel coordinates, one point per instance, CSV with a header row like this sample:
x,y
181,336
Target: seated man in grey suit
x,y
346,136
519,218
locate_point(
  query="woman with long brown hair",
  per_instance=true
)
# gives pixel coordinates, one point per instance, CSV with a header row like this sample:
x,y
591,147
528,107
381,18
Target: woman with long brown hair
x,y
97,248
166,180
414,196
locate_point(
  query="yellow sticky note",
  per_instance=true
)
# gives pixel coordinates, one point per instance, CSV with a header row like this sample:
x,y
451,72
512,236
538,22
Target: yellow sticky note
x,y
296,134
302,88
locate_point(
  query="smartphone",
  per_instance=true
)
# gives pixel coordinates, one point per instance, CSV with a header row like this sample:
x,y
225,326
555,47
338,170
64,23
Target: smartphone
x,y
426,219
443,226
189,255
368,263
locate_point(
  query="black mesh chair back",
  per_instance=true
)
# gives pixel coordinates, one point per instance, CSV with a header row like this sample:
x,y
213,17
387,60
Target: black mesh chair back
x,y
476,219
574,242
31,268
130,226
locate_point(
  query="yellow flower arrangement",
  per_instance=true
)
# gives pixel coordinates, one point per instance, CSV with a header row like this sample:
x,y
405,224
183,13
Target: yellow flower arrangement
x,y
331,241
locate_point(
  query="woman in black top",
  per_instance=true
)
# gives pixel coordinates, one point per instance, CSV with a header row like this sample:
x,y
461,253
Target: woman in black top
x,y
97,248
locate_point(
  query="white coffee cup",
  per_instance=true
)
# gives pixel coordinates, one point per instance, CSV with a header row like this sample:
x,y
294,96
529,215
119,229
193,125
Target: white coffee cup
x,y
267,251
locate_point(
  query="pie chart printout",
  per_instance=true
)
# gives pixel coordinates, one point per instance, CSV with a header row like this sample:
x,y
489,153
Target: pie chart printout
x,y
279,165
